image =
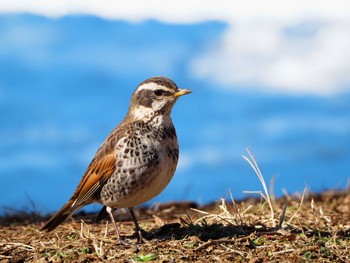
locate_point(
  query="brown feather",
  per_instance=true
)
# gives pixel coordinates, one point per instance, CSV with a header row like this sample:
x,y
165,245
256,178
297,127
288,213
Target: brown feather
x,y
101,167
98,172
59,217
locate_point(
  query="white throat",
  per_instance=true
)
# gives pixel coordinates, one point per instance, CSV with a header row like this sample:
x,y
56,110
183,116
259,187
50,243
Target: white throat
x,y
146,114
142,113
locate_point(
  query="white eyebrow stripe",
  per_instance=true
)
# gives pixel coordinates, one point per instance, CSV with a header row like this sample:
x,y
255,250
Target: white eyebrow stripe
x,y
153,86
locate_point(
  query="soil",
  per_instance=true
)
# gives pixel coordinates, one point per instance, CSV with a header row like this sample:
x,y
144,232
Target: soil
x,y
304,228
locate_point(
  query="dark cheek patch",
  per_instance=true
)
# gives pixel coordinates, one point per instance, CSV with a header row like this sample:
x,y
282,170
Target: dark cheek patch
x,y
145,97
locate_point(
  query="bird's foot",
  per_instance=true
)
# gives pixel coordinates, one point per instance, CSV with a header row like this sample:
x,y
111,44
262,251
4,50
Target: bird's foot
x,y
141,235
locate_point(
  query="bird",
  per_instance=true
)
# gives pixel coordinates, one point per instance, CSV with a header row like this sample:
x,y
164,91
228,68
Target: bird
x,y
135,162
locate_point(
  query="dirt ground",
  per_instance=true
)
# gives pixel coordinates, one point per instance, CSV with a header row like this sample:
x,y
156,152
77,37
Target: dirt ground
x,y
305,228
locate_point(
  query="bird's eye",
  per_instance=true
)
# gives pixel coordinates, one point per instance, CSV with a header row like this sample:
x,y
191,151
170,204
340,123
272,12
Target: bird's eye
x,y
159,92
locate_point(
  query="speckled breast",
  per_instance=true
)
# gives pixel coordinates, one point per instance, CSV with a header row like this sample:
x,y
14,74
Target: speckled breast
x,y
146,161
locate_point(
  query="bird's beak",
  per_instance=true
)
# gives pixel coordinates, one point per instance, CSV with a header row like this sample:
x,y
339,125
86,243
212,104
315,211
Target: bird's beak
x,y
181,92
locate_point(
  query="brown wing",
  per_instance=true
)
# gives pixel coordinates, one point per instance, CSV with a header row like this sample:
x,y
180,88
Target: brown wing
x,y
100,169
98,172
96,175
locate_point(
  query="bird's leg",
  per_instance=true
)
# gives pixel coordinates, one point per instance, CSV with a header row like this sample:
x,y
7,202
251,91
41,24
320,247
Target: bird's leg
x,y
110,212
138,229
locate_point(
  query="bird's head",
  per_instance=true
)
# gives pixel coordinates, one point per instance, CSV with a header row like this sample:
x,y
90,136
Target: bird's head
x,y
154,96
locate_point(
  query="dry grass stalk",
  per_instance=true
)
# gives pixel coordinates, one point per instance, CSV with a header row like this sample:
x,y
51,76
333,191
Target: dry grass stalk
x,y
254,164
301,203
224,216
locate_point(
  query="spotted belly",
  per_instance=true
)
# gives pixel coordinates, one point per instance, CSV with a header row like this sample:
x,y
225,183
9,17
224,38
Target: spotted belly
x,y
141,174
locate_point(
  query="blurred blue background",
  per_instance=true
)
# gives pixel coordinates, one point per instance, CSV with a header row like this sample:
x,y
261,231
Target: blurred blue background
x,y
281,89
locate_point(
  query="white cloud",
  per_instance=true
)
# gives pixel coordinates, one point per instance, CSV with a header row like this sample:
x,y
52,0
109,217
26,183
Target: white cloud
x,y
298,47
262,53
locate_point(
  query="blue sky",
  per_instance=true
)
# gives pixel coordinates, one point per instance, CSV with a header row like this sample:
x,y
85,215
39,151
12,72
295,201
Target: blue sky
x,y
296,47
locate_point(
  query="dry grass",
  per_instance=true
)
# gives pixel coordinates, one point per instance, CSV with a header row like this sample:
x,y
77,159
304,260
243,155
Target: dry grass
x,y
315,230
308,228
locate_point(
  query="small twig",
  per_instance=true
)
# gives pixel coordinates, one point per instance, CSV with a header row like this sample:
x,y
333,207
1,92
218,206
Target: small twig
x,y
283,251
268,233
31,202
87,234
213,216
100,250
307,248
236,208
281,219
218,242
233,250
272,188
26,247
301,203
247,209
301,228
7,257
200,211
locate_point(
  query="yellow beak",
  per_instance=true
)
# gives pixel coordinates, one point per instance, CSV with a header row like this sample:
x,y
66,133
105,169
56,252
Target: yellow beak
x,y
181,92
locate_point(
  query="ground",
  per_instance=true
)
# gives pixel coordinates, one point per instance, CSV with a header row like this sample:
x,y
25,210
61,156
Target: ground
x,y
304,228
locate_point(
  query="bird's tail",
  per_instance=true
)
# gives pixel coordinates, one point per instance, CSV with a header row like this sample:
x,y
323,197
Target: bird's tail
x,y
65,212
